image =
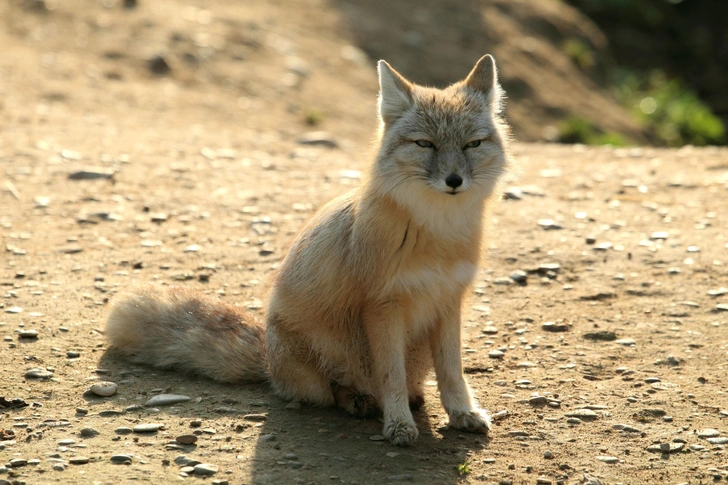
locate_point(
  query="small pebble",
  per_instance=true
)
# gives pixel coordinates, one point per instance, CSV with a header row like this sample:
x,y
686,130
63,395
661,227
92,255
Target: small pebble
x,y
549,224
625,427
717,441
205,469
548,455
555,327
708,433
608,459
513,193
108,413
91,174
182,460
89,432
166,399
121,459
146,428
546,267
78,460
38,373
320,138
28,334
519,276
255,417
158,65
104,388
602,335
186,439
666,448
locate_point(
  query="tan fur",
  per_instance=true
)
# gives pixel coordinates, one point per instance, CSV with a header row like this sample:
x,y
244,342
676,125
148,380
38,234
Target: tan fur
x,y
369,295
186,330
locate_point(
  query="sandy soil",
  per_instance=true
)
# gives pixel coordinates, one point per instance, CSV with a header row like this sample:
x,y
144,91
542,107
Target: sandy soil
x,y
202,182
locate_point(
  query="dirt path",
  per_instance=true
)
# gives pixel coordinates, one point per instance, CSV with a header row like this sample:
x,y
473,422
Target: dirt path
x,y
625,251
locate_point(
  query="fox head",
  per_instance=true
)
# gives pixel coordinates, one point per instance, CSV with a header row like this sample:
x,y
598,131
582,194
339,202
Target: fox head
x,y
440,144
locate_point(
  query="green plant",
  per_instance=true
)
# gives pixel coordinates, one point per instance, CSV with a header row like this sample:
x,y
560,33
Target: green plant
x,y
312,116
672,112
579,130
579,52
464,468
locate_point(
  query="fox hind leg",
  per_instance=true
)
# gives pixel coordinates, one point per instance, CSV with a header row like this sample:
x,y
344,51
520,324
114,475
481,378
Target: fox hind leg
x,y
294,370
302,381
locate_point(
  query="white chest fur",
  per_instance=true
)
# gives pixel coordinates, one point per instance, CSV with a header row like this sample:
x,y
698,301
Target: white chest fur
x,y
432,288
431,278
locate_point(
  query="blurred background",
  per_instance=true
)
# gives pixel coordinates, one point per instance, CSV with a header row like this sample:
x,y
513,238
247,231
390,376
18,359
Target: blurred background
x,y
620,72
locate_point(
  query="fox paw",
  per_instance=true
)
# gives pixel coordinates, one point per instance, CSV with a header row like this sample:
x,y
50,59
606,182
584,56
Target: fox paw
x,y
400,432
356,404
473,420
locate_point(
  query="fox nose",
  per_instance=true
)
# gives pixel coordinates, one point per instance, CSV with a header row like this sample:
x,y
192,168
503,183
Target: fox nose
x,y
454,180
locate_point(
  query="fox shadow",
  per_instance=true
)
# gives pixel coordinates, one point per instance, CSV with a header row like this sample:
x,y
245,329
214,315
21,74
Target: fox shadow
x,y
275,441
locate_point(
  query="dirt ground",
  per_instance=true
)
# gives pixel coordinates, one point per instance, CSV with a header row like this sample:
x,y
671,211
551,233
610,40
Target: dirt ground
x,y
608,361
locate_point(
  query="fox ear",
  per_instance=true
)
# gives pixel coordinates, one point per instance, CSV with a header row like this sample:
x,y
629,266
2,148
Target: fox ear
x,y
484,76
395,93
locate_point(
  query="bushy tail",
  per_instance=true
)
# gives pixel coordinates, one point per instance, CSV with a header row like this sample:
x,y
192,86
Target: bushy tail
x,y
187,330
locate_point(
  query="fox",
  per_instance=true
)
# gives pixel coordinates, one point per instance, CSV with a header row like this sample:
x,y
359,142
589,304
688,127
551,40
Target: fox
x,y
368,298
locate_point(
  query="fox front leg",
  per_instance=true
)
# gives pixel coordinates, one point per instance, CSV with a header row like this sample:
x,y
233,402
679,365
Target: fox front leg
x,y
386,334
455,394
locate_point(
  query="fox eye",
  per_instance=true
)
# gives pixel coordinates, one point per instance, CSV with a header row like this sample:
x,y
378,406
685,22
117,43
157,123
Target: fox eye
x,y
473,144
424,144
